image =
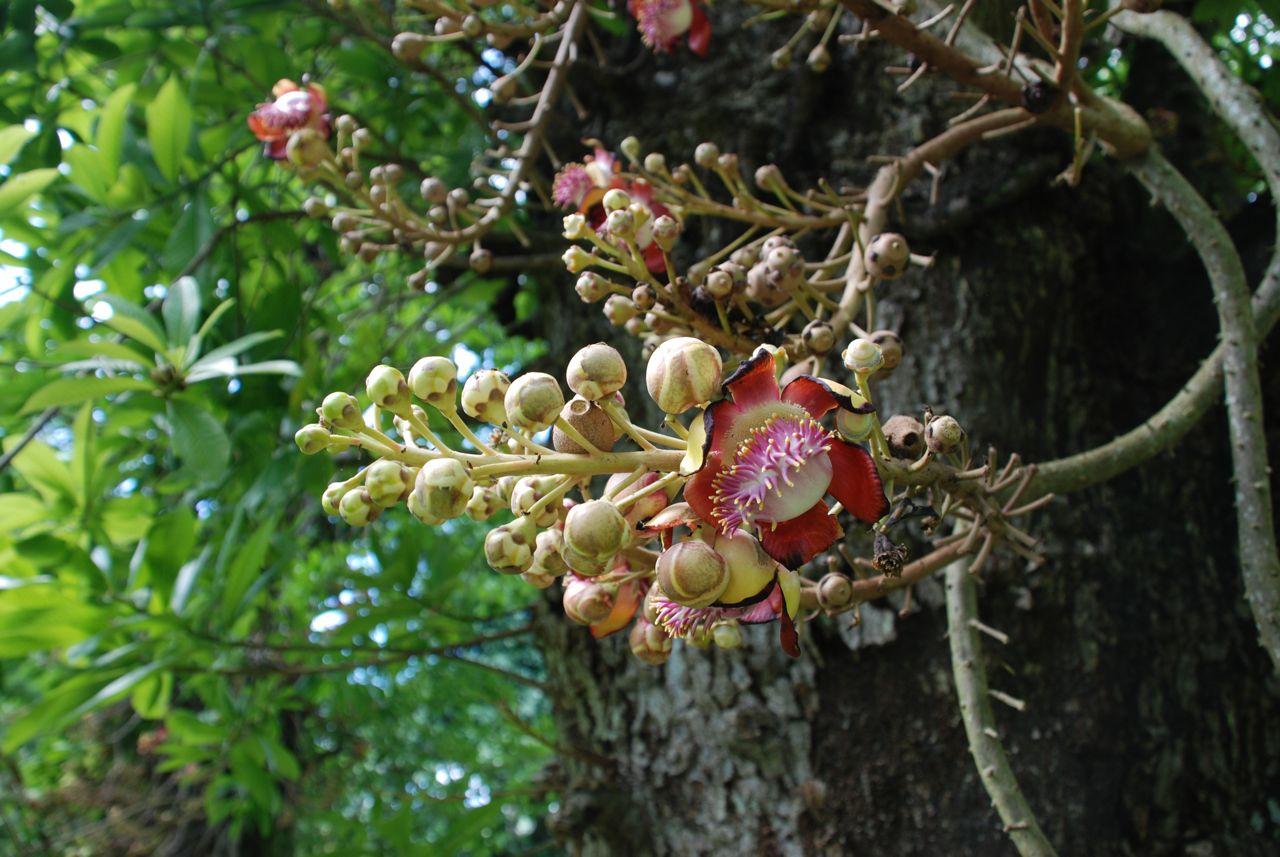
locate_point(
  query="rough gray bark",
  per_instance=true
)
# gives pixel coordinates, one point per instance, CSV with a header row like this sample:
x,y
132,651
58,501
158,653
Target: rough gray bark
x,y
1053,320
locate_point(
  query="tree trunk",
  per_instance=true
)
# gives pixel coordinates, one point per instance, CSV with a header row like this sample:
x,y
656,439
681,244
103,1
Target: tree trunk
x,y
1052,320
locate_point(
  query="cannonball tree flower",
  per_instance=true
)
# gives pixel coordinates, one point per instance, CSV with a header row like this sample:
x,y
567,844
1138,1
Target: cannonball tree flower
x,y
293,109
663,22
581,187
767,463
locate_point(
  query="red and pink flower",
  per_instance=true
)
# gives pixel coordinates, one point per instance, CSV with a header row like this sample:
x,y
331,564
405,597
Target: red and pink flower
x,y
663,22
294,108
768,463
582,186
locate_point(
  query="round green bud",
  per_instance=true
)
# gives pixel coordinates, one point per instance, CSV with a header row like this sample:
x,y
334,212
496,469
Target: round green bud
x,y
434,380
596,371
312,438
387,388
596,529
692,573
357,508
387,481
533,401
342,410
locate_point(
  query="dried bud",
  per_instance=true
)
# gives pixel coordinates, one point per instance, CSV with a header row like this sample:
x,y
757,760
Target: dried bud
x,y
727,634
862,356
692,573
835,590
312,438
434,380
483,395
818,337
683,373
387,389
905,435
889,558
342,410
596,529
649,643
887,256
596,371
484,503
387,481
591,422
943,434
509,548
533,401
619,309
891,347
586,602
1039,96
357,509
706,154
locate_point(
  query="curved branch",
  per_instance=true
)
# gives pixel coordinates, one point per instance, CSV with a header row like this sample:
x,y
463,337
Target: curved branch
x,y
979,720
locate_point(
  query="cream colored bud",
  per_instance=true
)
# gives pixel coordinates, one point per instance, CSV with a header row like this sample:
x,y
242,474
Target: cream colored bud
x,y
434,380
387,388
332,496
692,573
654,162
342,410
818,337
683,373
596,529
591,422
619,309
596,371
312,438
706,155
719,284
621,224
835,590
484,503
483,396
943,434
887,256
666,229
530,491
387,481
649,643
509,548
727,634
616,199
862,356
443,488
586,602
576,228
591,287
533,401
576,259
546,554
357,509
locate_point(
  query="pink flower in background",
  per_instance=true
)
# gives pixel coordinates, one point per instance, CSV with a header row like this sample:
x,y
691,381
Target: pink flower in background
x,y
294,108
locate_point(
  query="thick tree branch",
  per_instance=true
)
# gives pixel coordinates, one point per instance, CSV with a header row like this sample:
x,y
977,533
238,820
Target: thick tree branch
x,y
979,720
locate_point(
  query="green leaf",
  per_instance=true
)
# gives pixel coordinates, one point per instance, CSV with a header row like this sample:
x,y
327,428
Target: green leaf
x,y
194,229
79,349
150,698
50,712
117,688
186,580
169,128
244,567
134,322
12,139
235,347
23,186
110,136
20,510
181,310
199,440
89,171
39,465
73,391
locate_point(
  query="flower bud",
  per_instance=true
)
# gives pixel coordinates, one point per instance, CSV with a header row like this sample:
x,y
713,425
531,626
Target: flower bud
x,y
586,602
619,309
537,579
306,148
706,154
855,427
576,228
654,162
586,566
596,529
621,224
591,421
727,634
528,492
342,410
357,509
386,481
891,347
332,496
546,554
472,26
483,395
887,256
692,573
312,438
433,190
591,287
905,435
649,643
644,297
443,488
596,371
509,548
764,289
943,434
719,284
781,58
819,58
818,337
533,401
835,590
480,260
576,259
630,146
616,199
484,503
683,373
387,389
666,229
434,380
648,505
862,356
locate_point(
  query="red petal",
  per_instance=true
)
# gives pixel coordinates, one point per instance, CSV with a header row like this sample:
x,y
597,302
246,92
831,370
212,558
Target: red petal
x,y
787,635
699,32
718,420
754,382
698,490
275,149
812,395
855,482
653,259
624,607
795,542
